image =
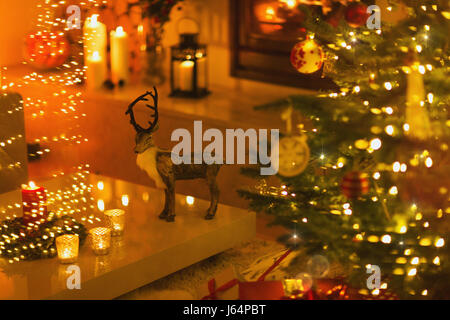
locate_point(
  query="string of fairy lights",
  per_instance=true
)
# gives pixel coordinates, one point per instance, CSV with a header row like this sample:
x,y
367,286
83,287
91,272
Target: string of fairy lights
x,y
63,103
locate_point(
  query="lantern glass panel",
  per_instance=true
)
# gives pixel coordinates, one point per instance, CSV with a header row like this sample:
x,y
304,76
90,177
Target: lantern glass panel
x,y
189,71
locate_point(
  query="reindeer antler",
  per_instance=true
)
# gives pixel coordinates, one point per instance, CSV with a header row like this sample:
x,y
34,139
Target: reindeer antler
x,y
153,123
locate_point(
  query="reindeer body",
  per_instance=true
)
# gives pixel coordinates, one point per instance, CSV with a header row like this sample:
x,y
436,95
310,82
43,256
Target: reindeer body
x,y
158,164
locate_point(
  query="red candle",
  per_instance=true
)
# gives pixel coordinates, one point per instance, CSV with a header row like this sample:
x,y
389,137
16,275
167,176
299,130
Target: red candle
x,y
34,203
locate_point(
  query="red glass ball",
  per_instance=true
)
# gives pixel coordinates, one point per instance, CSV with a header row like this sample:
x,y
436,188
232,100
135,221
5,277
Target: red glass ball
x,y
356,15
47,50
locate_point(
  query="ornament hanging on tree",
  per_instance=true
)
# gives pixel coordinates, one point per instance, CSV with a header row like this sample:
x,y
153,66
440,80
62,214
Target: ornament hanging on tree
x,y
355,184
307,56
356,14
416,114
293,150
47,50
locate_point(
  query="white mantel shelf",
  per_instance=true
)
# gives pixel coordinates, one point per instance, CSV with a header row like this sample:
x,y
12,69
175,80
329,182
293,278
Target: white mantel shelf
x,y
149,249
233,104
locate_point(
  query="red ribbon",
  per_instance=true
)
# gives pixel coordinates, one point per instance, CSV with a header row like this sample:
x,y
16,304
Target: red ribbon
x,y
230,284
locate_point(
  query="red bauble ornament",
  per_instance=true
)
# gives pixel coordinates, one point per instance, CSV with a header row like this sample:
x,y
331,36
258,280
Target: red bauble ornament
x,y
307,56
47,50
356,14
355,184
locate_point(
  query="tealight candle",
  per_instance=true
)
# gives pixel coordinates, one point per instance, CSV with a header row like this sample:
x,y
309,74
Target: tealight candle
x,y
120,53
100,240
116,221
34,203
67,248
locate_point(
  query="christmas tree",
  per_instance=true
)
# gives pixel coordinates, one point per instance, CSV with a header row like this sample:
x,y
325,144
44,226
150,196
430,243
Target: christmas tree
x,y
375,187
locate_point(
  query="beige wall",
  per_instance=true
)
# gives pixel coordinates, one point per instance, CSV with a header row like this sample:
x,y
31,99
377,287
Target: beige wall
x,y
15,23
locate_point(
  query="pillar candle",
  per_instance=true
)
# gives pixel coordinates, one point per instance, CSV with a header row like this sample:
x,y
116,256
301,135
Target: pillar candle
x,y
201,72
120,55
186,75
96,71
94,37
34,202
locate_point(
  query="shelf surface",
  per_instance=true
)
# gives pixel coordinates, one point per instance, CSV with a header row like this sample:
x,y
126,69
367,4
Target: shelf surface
x,y
148,250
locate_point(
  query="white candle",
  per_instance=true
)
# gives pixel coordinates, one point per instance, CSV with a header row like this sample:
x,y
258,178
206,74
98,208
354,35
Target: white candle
x,y
186,75
96,71
120,55
94,37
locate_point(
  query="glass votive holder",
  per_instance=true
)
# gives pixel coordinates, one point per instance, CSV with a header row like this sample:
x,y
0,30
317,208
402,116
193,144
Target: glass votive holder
x,y
100,240
115,221
67,248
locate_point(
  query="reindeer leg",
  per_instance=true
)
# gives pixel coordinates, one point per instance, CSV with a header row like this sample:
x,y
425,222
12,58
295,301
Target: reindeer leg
x,y
165,212
171,202
211,176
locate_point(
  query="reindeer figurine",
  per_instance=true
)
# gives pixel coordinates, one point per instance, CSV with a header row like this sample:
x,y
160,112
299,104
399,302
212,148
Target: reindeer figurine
x,y
159,166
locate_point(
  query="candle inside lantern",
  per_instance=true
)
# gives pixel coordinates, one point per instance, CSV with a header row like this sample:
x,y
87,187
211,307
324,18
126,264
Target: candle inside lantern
x,y
67,248
34,204
120,53
100,240
116,221
96,71
94,37
186,75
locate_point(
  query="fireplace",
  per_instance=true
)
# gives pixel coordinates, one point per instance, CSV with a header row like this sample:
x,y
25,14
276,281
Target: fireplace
x,y
263,33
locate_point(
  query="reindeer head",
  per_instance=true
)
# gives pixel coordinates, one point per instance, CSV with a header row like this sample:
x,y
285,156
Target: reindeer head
x,y
144,138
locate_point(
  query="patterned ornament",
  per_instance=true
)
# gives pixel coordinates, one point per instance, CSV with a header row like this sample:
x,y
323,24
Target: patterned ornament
x,y
356,14
355,184
307,56
47,50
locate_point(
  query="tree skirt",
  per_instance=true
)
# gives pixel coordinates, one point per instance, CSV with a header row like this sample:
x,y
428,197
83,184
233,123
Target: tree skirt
x,y
184,284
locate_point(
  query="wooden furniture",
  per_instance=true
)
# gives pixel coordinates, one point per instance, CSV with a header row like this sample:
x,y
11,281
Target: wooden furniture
x,y
148,250
261,45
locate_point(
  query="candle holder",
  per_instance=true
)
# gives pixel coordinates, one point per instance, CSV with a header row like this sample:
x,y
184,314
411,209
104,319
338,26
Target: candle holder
x,y
67,247
100,240
116,221
189,68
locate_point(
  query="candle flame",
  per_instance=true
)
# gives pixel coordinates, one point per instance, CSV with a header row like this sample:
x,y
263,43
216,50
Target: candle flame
x,y
32,185
94,20
270,13
119,31
95,56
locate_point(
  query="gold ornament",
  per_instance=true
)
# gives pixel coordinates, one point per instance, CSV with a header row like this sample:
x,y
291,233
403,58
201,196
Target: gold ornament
x,y
294,152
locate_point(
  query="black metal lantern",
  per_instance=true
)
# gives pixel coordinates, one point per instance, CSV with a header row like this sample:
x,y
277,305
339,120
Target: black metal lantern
x,y
189,68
